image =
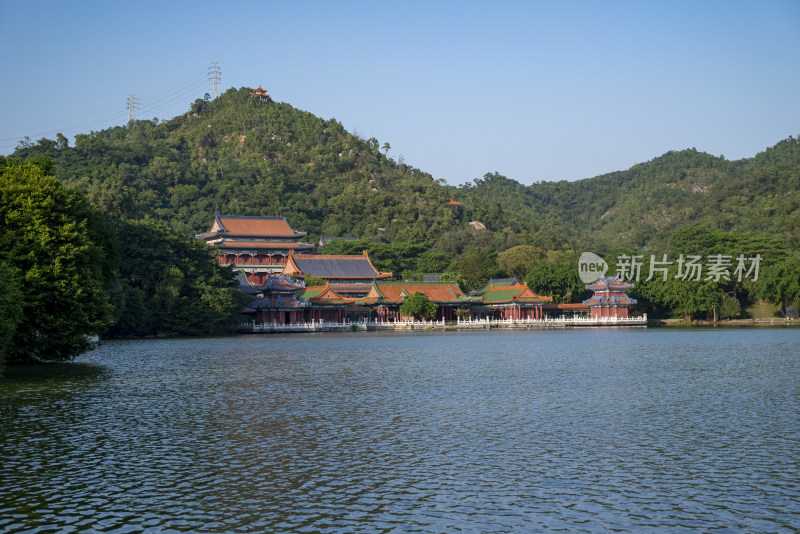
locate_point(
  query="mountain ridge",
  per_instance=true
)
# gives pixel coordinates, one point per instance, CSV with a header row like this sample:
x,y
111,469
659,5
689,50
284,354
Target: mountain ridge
x,y
242,156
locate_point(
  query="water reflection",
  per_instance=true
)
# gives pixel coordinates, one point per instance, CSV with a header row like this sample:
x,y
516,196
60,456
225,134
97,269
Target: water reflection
x,y
486,432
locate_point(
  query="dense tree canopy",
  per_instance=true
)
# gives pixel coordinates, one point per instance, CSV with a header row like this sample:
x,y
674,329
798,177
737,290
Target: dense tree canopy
x,y
58,250
249,157
245,156
171,284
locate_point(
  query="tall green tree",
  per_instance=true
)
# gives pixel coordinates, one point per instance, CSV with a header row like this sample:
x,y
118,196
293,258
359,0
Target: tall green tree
x,y
62,251
10,309
557,276
780,283
418,306
519,260
474,268
171,285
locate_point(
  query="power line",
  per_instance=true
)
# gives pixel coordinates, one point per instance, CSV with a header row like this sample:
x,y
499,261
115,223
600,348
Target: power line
x,y
162,104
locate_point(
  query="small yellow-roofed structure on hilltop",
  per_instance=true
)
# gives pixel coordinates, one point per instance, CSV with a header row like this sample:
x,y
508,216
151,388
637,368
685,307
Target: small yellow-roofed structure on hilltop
x,y
260,94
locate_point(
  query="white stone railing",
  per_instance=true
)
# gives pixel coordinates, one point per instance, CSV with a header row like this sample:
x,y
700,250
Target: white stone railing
x,y
320,325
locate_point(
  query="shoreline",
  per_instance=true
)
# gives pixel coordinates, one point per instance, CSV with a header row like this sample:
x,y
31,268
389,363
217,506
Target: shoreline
x,y
373,326
760,322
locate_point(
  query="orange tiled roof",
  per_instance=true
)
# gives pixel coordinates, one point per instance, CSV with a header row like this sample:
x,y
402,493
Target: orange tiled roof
x,y
325,295
267,226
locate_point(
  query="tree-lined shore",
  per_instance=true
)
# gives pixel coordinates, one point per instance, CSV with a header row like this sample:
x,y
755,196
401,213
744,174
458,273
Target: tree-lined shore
x,y
98,237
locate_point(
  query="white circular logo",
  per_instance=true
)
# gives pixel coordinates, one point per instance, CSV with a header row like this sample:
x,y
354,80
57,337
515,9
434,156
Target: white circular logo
x,y
591,267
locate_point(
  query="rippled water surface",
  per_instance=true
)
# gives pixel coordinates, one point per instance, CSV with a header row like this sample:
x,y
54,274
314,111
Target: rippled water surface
x,y
508,431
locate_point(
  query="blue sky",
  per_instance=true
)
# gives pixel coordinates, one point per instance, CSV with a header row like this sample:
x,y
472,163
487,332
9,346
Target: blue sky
x,y
535,91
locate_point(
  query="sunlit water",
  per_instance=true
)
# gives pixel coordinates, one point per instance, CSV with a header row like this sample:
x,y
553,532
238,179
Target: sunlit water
x,y
509,431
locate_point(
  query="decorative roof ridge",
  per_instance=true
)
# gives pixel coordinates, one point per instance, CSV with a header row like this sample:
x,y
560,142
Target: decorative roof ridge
x,y
218,216
421,283
332,257
381,274
253,217
217,220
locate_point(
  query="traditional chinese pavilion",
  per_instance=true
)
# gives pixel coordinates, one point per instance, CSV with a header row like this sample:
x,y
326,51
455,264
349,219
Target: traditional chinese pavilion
x,y
387,297
256,246
286,301
610,298
349,275
514,301
260,94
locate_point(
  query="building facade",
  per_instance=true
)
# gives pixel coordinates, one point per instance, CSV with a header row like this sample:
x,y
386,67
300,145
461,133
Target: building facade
x,y
255,246
610,299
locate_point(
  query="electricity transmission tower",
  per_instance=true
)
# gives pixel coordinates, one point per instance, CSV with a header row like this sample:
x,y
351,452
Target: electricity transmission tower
x,y
133,104
214,74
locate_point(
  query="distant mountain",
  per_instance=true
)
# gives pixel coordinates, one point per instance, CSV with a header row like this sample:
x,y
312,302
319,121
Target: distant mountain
x,y
245,156
642,206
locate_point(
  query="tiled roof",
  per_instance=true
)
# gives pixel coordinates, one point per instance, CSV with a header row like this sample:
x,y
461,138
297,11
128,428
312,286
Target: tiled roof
x,y
244,284
310,292
396,292
351,288
250,226
333,266
258,244
256,225
280,282
606,283
514,293
497,282
323,295
614,300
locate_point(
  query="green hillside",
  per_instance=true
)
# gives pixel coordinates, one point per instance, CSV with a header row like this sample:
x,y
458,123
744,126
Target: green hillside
x,y
642,206
151,186
243,156
239,155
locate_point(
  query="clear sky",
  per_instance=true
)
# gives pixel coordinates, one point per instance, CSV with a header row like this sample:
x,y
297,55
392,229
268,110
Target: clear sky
x,y
536,91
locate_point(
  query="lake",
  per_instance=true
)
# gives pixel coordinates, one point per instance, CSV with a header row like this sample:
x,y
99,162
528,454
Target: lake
x,y
580,430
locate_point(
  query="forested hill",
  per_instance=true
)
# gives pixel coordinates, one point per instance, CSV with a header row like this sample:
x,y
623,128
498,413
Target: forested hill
x,y
243,156
642,206
239,155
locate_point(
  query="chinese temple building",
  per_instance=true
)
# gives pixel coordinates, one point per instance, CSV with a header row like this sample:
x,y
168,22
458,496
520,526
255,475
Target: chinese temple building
x,y
348,275
569,310
497,282
255,246
387,297
326,304
285,301
610,298
279,303
513,301
260,94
